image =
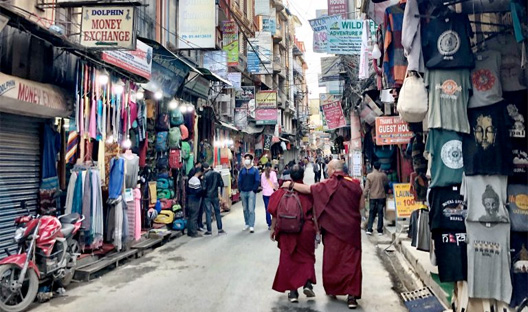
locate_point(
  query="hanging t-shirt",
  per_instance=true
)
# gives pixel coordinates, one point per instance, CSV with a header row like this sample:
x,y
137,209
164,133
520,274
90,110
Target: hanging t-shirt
x,y
447,209
451,255
517,110
486,199
489,261
487,87
510,70
445,148
448,99
487,150
518,206
519,254
445,42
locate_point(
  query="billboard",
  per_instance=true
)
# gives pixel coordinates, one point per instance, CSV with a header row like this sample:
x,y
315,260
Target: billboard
x,y
266,107
320,32
269,23
138,62
262,7
338,7
344,36
197,24
230,42
245,98
108,27
259,55
392,130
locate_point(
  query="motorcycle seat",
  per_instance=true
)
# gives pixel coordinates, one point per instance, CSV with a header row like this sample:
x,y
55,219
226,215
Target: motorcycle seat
x,y
67,229
70,218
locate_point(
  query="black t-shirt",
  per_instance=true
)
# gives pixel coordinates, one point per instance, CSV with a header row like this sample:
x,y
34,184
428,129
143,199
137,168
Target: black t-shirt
x,y
487,150
445,42
518,256
451,255
447,209
517,110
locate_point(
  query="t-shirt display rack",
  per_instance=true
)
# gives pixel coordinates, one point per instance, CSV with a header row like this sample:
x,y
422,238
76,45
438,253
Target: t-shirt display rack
x,y
473,138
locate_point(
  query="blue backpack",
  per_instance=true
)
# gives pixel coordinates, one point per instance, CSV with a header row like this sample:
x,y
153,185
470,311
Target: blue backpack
x,y
176,118
179,224
161,141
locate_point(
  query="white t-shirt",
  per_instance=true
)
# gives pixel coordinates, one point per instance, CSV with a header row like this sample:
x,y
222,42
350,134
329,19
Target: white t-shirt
x,y
487,87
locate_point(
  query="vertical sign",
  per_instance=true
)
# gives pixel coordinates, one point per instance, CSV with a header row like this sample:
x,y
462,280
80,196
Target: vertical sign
x,y
230,42
259,56
269,23
266,107
262,7
338,7
216,62
332,111
197,24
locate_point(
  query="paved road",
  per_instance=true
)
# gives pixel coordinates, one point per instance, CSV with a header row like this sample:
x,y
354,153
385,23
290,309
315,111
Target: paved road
x,y
227,273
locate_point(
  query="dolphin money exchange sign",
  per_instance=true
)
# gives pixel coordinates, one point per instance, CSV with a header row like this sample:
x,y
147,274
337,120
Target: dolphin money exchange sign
x,y
108,27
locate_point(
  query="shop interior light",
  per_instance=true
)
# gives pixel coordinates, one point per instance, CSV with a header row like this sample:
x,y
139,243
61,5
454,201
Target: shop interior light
x,y
173,104
183,108
103,79
127,144
140,94
110,139
190,108
158,95
118,89
230,142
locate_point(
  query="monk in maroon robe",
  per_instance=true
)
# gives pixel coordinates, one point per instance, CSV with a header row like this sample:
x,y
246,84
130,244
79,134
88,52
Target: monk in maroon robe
x,y
297,250
337,206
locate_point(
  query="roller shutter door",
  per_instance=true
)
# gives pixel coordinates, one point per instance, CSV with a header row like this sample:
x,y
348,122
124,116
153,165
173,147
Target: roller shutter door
x,y
19,172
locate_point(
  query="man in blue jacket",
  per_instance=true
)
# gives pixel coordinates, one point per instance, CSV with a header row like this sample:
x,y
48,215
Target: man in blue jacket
x,y
248,184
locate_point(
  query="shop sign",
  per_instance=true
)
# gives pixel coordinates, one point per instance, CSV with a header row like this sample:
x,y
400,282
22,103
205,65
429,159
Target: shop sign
x,y
266,107
338,7
392,130
197,24
108,27
269,23
245,97
332,111
259,58
216,62
404,200
268,141
230,42
357,164
330,68
241,117
199,86
344,36
320,32
262,7
138,62
236,80
43,95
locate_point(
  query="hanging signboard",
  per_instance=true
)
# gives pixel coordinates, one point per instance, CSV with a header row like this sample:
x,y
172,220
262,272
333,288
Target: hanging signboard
x,y
268,141
266,107
216,62
259,55
138,62
197,24
236,80
262,7
331,66
269,23
108,27
333,113
392,130
357,164
230,42
338,7
404,200
241,117
344,36
320,32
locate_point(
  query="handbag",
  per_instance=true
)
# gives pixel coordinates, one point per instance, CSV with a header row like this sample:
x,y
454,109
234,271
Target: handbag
x,y
412,100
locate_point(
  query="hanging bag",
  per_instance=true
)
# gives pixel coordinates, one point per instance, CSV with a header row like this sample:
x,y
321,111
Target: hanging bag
x,y
175,159
412,100
174,137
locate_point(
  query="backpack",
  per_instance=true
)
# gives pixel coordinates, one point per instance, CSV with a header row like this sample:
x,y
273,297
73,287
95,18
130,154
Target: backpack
x,y
165,183
290,215
176,118
179,225
166,204
165,217
174,137
175,159
165,194
163,122
184,132
161,141
185,150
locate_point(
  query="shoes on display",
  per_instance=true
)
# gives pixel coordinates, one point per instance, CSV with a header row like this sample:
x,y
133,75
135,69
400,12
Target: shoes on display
x,y
368,232
246,228
308,290
251,230
208,233
352,302
293,296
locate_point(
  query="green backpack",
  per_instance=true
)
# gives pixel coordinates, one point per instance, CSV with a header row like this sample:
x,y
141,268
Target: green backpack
x,y
174,137
185,150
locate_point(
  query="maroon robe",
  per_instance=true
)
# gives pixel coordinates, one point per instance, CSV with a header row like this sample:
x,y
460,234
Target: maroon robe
x,y
336,203
297,250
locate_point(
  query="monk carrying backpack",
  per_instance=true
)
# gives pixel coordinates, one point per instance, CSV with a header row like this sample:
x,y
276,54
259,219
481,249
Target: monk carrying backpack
x,y
290,215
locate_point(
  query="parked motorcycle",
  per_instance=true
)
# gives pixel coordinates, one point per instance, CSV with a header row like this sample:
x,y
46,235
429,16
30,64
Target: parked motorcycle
x,y
47,252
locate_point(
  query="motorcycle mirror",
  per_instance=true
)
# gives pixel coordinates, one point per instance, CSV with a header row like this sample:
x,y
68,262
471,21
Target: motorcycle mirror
x,y
24,206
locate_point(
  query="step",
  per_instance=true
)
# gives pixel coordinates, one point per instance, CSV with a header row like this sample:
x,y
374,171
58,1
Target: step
x,y
148,243
84,273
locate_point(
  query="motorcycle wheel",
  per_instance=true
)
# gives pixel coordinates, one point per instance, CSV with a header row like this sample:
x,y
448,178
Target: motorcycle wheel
x,y
15,302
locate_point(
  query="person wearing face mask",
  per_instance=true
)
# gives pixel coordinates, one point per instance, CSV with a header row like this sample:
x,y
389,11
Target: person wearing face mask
x,y
248,184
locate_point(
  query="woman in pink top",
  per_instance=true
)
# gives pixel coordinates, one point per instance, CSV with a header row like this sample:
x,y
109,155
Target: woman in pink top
x,y
269,184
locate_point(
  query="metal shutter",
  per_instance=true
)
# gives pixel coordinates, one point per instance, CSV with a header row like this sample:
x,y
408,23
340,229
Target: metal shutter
x,y
19,172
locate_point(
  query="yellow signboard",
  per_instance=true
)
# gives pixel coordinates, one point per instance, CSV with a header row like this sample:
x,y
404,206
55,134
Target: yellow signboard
x,y
404,200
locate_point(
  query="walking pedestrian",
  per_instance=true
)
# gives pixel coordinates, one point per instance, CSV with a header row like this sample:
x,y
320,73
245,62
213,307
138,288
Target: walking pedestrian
x,y
194,201
337,206
201,209
214,187
317,171
269,183
248,184
375,189
297,250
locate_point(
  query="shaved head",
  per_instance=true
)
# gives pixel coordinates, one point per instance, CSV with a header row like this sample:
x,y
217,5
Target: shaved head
x,y
335,165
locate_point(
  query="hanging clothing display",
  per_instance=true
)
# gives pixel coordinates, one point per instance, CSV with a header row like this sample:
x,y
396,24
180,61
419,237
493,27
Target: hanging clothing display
x,y
445,148
451,255
487,88
412,37
447,209
394,61
131,170
486,198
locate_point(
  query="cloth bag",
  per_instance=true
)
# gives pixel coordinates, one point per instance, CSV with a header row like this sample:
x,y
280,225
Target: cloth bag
x,y
412,100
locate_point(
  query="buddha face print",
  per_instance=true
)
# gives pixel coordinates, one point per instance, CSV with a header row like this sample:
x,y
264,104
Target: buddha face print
x,y
485,132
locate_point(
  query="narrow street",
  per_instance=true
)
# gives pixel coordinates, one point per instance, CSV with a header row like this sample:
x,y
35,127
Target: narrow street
x,y
226,273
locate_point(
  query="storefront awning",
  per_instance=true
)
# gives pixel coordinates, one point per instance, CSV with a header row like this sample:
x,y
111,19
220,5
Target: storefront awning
x,y
252,129
228,125
212,76
159,47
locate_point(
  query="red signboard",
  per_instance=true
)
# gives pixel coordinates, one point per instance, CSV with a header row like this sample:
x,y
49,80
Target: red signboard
x,y
392,130
338,7
333,113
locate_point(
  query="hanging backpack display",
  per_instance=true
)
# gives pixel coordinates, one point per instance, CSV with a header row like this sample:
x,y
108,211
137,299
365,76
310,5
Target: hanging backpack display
x,y
175,159
184,132
185,150
176,118
166,204
161,141
162,123
412,100
174,137
164,183
162,163
290,213
165,194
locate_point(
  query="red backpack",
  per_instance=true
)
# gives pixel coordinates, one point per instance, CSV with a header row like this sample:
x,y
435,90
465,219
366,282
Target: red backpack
x,y
175,159
290,215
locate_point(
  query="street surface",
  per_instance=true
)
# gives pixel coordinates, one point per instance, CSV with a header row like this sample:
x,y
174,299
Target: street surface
x,y
227,273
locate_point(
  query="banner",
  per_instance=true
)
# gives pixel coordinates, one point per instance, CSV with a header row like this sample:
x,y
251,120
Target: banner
x,y
216,62
338,7
392,130
330,68
404,200
241,116
236,80
138,62
320,32
197,24
230,42
268,141
333,113
266,107
108,27
259,58
262,7
344,36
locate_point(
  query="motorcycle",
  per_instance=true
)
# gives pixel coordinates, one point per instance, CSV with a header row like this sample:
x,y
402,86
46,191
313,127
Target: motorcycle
x,y
47,252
